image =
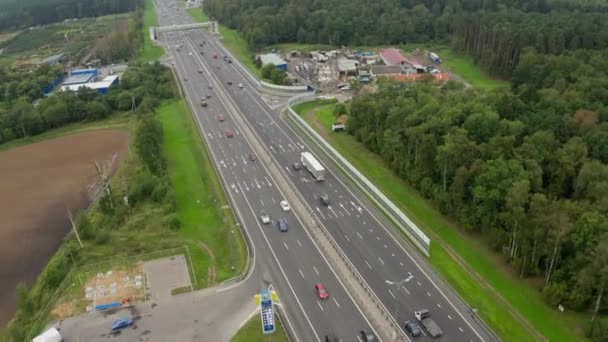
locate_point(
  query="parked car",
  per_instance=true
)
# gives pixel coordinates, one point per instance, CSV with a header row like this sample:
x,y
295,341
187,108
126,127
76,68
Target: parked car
x,y
121,323
282,224
264,217
412,328
285,206
321,292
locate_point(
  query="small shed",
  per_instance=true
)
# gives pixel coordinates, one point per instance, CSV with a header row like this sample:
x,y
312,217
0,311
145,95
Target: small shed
x,y
273,58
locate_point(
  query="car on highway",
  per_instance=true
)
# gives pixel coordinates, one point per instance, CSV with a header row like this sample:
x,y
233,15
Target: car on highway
x,y
412,328
282,224
200,71
332,338
230,61
252,157
189,53
284,205
264,217
220,118
121,323
368,336
210,86
324,199
229,82
229,134
203,102
321,292
296,166
241,85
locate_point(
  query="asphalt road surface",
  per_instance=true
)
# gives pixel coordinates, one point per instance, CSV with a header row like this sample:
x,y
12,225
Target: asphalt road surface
x,y
370,243
292,262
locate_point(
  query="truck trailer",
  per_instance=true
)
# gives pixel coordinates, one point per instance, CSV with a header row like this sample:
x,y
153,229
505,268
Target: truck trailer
x,y
313,166
49,335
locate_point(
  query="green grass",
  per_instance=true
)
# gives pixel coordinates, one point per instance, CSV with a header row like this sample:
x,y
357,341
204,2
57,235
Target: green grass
x,y
464,67
149,51
252,332
233,41
199,195
449,241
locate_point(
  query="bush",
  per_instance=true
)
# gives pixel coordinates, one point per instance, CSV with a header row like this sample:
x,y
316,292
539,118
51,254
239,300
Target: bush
x,y
103,237
172,221
141,187
160,191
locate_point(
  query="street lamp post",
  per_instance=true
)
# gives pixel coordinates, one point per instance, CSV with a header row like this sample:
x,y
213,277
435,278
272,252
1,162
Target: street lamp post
x,y
398,285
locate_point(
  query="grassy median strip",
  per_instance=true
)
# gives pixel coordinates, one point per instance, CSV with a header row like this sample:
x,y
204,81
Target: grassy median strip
x,y
149,51
201,204
252,332
500,298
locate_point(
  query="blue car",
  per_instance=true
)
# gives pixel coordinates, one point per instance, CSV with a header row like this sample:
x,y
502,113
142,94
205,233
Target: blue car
x,y
121,323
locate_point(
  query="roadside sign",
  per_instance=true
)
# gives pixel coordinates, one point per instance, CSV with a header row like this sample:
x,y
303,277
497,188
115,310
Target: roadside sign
x,y
266,312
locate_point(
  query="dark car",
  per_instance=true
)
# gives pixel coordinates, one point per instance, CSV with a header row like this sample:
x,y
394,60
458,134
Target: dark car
x,y
282,224
412,328
296,166
324,199
229,82
331,338
368,336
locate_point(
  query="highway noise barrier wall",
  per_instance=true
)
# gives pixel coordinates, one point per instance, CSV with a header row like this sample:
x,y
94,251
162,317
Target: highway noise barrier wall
x,y
387,206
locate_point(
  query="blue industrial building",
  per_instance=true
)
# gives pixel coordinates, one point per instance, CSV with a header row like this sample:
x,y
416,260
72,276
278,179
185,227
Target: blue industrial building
x,y
273,58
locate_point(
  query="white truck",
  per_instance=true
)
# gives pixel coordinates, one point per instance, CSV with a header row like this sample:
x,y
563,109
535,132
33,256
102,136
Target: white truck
x,y
49,335
424,317
313,166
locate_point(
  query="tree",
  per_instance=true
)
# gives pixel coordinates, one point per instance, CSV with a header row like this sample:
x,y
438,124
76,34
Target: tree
x,y
148,141
595,274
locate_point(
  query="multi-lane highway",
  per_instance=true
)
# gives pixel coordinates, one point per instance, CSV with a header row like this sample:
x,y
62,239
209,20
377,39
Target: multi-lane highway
x,y
290,260
380,255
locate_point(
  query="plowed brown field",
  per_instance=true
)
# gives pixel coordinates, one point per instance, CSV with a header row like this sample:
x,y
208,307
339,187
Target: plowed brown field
x,y
38,182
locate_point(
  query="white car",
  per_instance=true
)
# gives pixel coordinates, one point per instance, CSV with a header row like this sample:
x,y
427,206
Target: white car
x,y
285,206
240,85
189,53
264,217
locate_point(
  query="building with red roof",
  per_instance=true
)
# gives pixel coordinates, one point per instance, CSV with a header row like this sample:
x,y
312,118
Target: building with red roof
x,y
392,56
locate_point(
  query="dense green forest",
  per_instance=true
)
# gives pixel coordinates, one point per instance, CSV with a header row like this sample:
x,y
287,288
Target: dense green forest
x,y
146,85
494,32
526,169
25,13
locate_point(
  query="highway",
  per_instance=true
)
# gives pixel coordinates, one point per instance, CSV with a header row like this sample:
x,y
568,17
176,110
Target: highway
x,y
371,244
291,261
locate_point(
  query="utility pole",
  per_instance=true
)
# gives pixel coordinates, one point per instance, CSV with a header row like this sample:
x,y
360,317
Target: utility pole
x,y
397,285
74,228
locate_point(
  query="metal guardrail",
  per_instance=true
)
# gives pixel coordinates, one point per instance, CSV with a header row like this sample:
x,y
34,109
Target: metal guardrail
x,y
387,206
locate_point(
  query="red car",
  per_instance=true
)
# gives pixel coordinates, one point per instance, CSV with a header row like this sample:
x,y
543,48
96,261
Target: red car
x,y
220,118
229,134
321,292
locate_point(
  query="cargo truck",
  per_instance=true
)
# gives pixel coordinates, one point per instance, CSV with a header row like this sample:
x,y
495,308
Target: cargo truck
x,y
49,335
424,317
313,166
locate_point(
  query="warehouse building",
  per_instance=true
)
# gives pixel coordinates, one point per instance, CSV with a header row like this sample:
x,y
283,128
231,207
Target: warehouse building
x,y
81,76
273,58
101,87
347,67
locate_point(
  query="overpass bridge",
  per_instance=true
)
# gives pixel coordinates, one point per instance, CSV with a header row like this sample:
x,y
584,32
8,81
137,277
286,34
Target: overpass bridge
x,y
211,25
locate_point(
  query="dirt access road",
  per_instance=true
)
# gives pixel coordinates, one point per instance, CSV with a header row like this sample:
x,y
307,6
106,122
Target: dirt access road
x,y
38,182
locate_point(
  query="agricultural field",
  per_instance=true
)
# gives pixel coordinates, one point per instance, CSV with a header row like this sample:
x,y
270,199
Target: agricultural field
x,y
72,38
40,182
